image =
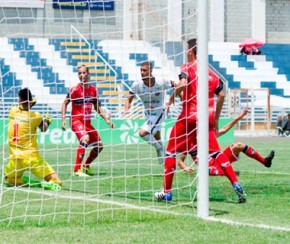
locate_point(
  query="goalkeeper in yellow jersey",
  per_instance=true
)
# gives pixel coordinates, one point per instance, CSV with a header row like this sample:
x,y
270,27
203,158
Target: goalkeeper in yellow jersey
x,y
23,148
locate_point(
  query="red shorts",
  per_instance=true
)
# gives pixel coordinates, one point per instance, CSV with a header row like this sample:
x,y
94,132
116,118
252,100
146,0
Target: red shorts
x,y
213,145
182,136
83,128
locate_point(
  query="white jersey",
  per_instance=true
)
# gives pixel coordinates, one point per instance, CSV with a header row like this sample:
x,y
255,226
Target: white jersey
x,y
152,97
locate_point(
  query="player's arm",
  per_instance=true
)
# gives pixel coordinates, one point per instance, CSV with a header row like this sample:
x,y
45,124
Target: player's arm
x,y
173,84
228,126
46,121
128,102
63,111
178,89
100,111
219,103
183,166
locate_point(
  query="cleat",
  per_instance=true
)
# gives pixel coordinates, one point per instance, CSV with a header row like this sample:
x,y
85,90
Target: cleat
x,y
80,173
240,192
87,170
162,196
30,182
161,155
269,158
50,186
7,184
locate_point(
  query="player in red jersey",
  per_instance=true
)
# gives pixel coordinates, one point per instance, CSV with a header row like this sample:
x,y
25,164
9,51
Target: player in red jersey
x,y
84,98
183,134
232,152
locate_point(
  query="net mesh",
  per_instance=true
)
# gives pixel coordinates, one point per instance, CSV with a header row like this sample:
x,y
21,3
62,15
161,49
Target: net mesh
x,y
43,43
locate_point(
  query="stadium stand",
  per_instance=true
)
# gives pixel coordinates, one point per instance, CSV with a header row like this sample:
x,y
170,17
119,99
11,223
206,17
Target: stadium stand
x,y
255,71
51,66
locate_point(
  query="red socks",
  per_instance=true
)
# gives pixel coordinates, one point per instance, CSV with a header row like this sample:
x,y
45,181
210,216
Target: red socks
x,y
226,166
170,166
93,155
79,158
250,152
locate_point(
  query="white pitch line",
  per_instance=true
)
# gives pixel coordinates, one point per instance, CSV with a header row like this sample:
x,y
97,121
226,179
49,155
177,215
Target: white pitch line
x,y
261,226
132,206
265,172
109,202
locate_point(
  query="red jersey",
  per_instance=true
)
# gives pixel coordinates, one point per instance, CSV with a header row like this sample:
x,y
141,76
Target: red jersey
x,y
82,100
189,107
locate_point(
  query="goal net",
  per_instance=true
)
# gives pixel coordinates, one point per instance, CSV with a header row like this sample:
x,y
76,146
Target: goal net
x,y
42,44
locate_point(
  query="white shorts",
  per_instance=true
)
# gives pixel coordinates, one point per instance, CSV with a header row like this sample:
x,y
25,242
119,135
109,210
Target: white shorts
x,y
153,123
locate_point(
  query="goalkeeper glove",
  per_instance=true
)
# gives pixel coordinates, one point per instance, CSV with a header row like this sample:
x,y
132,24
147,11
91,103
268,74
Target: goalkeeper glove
x,y
48,119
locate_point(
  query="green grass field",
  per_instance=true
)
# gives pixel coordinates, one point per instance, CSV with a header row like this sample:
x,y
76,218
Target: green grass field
x,y
117,206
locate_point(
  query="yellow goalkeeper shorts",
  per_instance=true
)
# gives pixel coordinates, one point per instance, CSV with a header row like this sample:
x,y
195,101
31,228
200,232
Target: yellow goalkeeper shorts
x,y
36,165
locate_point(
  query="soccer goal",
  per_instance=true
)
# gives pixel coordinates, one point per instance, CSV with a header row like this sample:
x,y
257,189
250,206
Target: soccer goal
x,y
42,44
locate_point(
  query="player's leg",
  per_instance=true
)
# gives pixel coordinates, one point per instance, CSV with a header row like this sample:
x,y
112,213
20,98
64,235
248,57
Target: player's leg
x,y
214,168
169,167
79,129
182,132
148,137
156,131
232,157
41,169
220,158
14,171
96,142
250,152
225,165
149,129
160,152
80,154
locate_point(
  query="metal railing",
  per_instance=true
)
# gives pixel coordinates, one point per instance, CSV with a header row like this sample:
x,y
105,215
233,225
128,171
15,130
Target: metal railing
x,y
73,28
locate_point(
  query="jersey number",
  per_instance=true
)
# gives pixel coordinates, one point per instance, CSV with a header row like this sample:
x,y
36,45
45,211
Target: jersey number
x,y
15,135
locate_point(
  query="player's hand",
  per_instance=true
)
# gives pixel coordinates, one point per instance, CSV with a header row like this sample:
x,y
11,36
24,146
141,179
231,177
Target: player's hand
x,y
63,125
110,123
188,170
48,119
167,107
125,113
244,112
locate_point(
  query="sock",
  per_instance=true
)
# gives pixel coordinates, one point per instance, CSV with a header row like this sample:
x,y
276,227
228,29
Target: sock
x,y
93,155
152,141
226,166
79,158
170,166
250,152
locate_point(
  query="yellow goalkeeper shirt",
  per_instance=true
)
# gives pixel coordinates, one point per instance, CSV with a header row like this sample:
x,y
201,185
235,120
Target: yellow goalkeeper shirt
x,y
22,133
